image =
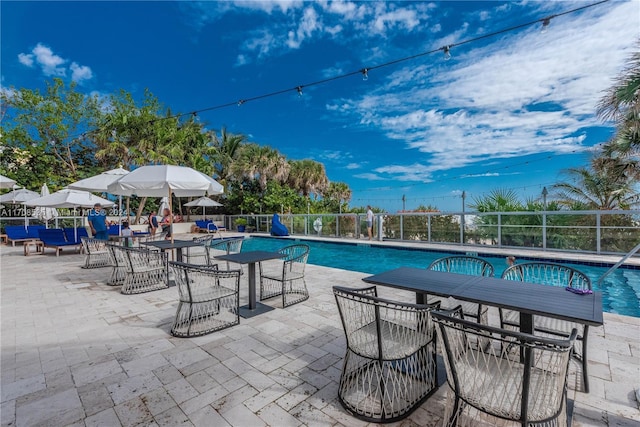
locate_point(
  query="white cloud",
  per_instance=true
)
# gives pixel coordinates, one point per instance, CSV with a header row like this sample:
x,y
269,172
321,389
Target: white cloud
x,y
50,62
524,94
369,176
53,65
26,59
80,72
353,166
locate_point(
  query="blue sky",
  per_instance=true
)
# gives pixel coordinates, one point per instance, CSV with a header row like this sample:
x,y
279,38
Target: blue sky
x,y
509,111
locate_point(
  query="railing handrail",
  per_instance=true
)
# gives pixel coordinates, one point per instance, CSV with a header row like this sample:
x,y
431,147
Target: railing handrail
x,y
618,264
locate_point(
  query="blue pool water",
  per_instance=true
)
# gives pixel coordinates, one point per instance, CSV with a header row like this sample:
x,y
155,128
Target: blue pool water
x,y
620,290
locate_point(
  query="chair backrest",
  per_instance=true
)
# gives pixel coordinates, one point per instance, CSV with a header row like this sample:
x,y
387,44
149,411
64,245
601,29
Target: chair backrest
x,y
295,258
390,322
228,246
117,254
463,264
514,376
547,273
203,223
33,231
91,245
16,232
138,260
70,233
113,230
199,283
52,236
204,239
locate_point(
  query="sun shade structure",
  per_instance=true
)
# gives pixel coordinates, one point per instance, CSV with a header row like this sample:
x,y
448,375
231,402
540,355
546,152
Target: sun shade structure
x,y
204,202
18,197
164,180
6,182
100,182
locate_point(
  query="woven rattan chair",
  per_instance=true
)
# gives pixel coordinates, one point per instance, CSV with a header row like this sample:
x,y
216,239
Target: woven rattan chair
x,y
224,247
198,255
96,254
518,379
145,271
209,299
551,274
390,365
469,265
118,261
285,276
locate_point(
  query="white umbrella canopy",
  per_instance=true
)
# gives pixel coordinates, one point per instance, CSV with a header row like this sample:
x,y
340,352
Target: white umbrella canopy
x,y
70,199
6,182
100,182
204,202
19,196
42,213
162,180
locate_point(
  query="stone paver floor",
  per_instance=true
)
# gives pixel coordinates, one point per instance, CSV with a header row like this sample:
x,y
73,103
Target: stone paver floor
x,y
77,352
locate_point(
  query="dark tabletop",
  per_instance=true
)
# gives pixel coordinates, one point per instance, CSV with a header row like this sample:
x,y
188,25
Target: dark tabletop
x,y
168,244
250,257
552,301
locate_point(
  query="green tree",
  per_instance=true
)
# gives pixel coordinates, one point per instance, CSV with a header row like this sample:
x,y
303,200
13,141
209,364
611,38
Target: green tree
x,y
44,135
308,177
337,197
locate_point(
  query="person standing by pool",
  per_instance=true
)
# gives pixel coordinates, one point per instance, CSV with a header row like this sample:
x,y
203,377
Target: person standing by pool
x,y
166,221
369,221
98,222
152,223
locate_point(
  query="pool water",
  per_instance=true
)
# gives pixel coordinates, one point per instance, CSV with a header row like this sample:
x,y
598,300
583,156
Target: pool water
x,y
620,290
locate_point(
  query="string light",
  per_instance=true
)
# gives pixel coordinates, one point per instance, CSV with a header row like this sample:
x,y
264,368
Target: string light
x,y
365,71
447,52
299,90
545,25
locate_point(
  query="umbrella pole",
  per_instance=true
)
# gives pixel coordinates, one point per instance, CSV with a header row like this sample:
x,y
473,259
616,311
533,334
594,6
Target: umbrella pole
x,y
120,214
170,219
24,207
75,229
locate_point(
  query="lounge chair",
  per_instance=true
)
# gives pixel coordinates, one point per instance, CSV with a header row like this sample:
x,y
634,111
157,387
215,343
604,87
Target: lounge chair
x,y
71,233
390,365
285,276
96,253
18,233
463,264
55,238
493,383
209,299
551,274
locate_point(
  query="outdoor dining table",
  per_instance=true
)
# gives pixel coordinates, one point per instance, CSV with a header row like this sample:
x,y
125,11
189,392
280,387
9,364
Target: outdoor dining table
x,y
254,308
528,298
178,245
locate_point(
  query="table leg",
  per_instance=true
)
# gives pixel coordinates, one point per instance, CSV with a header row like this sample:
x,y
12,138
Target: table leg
x,y
254,307
179,254
421,298
252,286
526,323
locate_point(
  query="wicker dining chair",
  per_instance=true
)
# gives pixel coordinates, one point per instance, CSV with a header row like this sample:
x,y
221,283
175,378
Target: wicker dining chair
x,y
469,265
118,260
198,255
224,247
551,274
146,271
389,367
96,254
285,276
209,299
497,385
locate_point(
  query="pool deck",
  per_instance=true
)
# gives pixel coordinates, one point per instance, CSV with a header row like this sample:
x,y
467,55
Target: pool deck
x,y
75,351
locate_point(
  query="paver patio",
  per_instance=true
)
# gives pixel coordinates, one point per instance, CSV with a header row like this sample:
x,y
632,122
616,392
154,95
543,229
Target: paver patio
x,y
77,352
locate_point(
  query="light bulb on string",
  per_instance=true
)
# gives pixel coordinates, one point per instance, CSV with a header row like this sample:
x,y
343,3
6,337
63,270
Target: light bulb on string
x,y
447,52
365,74
545,25
299,90
240,102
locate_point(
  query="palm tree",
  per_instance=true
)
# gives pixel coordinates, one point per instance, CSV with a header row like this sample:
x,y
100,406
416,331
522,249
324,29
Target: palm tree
x,y
308,177
621,104
596,187
227,148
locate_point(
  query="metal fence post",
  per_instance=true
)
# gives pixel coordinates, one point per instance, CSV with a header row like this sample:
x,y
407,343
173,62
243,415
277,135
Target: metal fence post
x,y
598,233
401,227
428,228
462,229
544,230
499,230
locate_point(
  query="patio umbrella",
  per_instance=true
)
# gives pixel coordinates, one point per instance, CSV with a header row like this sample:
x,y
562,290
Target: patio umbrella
x,y
100,182
70,199
164,180
204,202
45,214
17,197
164,203
6,182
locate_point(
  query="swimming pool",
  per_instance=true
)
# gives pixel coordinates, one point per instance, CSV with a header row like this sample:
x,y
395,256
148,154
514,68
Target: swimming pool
x,y
620,290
